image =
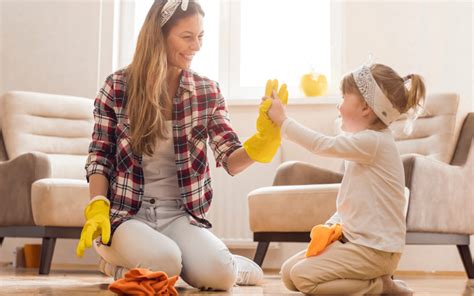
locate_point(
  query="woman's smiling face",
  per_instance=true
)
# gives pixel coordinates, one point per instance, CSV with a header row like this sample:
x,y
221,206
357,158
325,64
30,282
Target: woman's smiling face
x,y
184,40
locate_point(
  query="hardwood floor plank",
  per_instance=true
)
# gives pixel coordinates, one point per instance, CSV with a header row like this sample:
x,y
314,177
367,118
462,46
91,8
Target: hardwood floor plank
x,y
75,281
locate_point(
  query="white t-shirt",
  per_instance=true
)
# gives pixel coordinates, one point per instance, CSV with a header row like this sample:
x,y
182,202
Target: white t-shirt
x,y
159,170
371,202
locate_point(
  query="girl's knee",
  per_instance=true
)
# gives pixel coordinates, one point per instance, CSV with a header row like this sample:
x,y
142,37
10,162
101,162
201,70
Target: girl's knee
x,y
285,269
285,276
301,280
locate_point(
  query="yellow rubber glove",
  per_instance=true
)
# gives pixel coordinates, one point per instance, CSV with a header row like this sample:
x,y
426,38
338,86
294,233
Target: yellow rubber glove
x,y
321,237
97,223
264,123
264,144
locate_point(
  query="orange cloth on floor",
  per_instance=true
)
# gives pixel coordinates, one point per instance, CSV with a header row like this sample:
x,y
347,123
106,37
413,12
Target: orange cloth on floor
x,y
141,281
321,237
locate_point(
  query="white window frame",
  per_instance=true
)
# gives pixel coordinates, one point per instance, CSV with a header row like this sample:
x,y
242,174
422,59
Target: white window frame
x,y
229,63
123,32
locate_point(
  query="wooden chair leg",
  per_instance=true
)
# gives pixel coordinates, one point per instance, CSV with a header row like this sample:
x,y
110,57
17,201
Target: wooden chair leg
x,y
466,258
47,250
262,248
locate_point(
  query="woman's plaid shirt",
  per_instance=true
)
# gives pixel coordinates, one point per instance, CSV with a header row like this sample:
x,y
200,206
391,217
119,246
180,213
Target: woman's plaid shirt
x,y
200,117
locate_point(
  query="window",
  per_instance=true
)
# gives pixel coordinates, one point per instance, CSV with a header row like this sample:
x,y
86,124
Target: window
x,y
247,42
279,39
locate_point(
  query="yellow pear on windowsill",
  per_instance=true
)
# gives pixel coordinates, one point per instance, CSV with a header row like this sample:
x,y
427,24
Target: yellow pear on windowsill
x,y
314,84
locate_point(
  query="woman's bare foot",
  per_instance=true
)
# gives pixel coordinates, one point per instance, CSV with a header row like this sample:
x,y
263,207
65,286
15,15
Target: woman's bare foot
x,y
395,287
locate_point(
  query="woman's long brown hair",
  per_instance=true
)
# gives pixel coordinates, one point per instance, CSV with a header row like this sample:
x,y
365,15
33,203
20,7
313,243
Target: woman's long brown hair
x,y
147,87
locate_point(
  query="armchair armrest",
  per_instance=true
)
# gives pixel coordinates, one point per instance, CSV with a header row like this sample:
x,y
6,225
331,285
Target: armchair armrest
x,y
291,208
441,198
16,177
302,173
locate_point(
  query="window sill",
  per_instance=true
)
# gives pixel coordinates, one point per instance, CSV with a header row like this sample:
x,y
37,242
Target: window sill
x,y
299,101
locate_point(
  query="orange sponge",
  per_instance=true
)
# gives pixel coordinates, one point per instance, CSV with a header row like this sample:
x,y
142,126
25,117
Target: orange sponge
x,y
321,237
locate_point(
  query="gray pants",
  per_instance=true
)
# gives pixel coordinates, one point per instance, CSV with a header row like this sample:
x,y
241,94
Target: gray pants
x,y
160,237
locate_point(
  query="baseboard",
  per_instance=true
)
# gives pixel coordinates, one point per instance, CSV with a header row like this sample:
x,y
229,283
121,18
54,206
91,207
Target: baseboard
x,y
429,273
69,266
247,245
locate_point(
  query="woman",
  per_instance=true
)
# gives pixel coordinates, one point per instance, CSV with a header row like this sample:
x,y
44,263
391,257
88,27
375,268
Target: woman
x,y
147,169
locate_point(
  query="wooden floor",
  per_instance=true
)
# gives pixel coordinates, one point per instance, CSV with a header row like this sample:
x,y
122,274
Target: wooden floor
x,y
84,281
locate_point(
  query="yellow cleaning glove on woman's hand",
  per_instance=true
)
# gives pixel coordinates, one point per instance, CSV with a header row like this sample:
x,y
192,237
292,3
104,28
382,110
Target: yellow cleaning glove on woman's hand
x,y
264,144
97,223
321,237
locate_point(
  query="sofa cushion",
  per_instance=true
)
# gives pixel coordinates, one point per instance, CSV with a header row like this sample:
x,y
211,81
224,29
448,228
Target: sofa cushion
x,y
433,132
57,125
68,166
273,208
294,208
59,202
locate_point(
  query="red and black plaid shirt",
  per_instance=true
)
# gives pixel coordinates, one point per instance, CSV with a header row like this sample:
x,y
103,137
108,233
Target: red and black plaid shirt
x,y
200,117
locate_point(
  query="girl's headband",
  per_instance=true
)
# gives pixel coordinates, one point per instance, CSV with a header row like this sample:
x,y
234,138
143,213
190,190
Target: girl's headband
x,y
374,96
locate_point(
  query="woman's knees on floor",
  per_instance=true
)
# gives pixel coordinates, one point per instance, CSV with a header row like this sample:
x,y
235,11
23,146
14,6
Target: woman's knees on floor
x,y
163,259
219,273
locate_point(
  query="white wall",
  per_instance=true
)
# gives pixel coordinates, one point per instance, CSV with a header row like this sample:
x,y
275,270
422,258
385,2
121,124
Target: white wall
x,y
60,47
50,46
431,38
1,46
54,46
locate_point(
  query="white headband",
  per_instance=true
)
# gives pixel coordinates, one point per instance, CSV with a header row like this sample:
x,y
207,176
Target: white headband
x,y
374,96
170,7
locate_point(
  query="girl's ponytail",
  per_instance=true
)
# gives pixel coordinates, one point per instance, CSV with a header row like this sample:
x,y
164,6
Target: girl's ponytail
x,y
415,93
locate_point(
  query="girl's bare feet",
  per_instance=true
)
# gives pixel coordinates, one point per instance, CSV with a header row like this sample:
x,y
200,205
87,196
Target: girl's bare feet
x,y
395,287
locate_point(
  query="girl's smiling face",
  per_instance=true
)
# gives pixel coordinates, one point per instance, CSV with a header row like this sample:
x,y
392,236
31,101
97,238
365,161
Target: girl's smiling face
x,y
354,113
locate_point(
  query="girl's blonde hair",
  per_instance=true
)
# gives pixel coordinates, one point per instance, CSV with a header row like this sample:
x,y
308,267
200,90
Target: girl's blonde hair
x,y
147,87
393,86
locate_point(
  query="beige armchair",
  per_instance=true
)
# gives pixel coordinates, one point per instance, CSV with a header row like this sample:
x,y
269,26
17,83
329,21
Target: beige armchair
x,y
440,203
441,209
43,148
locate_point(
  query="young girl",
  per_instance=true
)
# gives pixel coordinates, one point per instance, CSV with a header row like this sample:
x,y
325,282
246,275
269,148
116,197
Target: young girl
x,y
371,202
